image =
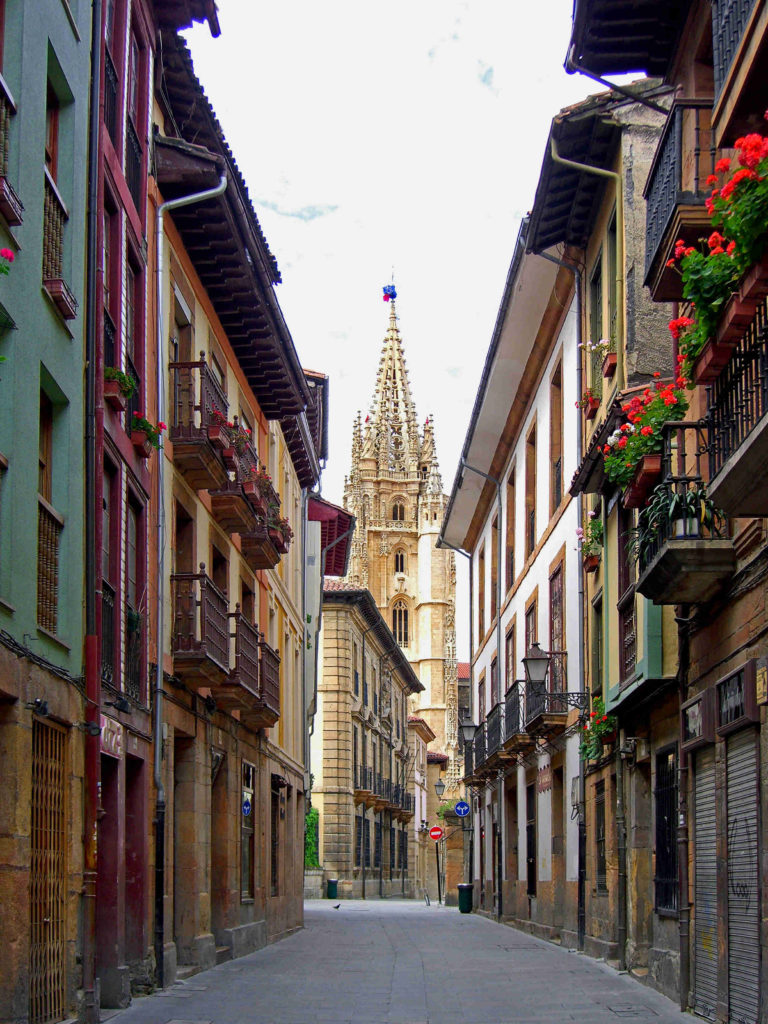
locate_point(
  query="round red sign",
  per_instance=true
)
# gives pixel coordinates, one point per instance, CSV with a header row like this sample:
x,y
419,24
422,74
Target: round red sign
x,y
436,833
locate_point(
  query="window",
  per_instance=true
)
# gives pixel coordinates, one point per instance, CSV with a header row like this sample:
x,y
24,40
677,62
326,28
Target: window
x,y
665,805
530,837
400,623
108,572
597,646
52,132
45,446
596,326
49,525
556,631
510,553
247,602
219,571
247,814
134,347
274,862
358,840
556,440
400,561
481,593
611,271
494,566
377,845
495,696
356,657
600,870
530,627
398,512
132,98
481,708
626,602
530,493
133,638
510,656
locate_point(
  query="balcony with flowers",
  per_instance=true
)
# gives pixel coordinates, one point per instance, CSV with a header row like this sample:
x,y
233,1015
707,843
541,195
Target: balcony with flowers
x,y
198,429
680,542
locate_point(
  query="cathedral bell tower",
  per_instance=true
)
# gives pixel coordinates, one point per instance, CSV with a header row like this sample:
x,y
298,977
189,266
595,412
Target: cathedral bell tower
x,y
395,490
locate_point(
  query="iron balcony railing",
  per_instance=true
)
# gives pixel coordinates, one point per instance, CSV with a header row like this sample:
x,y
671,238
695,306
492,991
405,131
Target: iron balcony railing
x,y
107,633
512,711
729,20
110,336
270,675
133,164
408,802
493,729
469,758
201,621
110,96
684,158
199,400
738,398
364,778
480,754
246,637
551,698
134,403
133,653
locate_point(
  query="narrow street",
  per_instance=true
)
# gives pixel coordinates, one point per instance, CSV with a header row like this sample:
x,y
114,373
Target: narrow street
x,y
404,963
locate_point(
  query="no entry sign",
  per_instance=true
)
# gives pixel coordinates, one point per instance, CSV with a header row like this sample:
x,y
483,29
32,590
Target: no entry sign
x,y
436,833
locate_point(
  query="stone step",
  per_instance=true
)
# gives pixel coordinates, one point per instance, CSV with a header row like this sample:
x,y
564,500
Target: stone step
x,y
185,971
223,954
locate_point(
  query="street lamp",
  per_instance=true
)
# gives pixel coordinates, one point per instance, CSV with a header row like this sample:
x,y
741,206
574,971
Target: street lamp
x,y
439,787
536,665
468,730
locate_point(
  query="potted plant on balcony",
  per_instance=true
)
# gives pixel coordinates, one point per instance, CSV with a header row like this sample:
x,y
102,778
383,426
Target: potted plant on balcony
x,y
591,538
632,454
118,388
218,432
145,435
280,532
599,731
677,512
590,403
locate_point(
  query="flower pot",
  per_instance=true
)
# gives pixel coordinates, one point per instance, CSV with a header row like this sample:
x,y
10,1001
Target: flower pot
x,y
754,286
608,738
114,395
230,458
609,364
217,435
590,410
737,316
591,563
141,443
687,528
647,475
276,536
710,362
253,494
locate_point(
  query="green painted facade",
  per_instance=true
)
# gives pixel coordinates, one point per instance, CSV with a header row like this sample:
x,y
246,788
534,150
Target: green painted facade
x,y
46,47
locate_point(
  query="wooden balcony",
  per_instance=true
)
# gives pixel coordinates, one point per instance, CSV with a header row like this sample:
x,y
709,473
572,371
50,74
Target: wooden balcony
x,y
232,510
269,672
685,560
200,636
241,691
258,549
675,193
738,425
199,404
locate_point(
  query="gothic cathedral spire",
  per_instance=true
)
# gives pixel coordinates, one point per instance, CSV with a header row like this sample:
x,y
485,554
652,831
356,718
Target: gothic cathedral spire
x,y
395,490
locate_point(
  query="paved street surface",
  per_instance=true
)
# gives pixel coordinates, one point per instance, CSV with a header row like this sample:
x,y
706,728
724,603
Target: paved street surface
x,y
399,962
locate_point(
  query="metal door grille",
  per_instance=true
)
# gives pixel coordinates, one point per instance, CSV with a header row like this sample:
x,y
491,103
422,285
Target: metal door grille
x,y
47,876
705,886
743,889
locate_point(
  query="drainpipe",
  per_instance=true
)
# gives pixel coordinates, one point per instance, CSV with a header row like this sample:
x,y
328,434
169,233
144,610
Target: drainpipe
x,y
92,673
621,850
571,66
620,299
684,915
163,208
499,659
582,841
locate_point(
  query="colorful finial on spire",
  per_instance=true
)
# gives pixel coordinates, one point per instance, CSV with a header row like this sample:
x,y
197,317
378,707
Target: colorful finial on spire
x,y
389,292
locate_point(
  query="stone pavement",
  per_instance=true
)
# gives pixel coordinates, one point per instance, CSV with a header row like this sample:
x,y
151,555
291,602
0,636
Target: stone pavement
x,y
400,962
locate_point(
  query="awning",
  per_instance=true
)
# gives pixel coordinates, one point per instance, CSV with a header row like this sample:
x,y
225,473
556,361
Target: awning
x,y
336,532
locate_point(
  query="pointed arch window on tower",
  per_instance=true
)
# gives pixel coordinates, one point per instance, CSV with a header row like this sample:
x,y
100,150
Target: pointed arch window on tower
x,y
400,561
398,511
400,622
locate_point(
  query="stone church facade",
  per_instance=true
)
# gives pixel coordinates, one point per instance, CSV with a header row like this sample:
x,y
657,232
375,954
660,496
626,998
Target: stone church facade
x,y
395,491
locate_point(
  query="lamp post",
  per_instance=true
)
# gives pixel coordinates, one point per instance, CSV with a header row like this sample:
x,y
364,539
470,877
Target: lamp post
x,y
439,790
467,728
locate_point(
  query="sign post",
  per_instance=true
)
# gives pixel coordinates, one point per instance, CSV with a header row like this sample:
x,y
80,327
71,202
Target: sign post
x,y
436,833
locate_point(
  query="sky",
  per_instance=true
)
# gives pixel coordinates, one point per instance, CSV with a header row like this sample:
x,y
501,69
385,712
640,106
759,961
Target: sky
x,y
378,141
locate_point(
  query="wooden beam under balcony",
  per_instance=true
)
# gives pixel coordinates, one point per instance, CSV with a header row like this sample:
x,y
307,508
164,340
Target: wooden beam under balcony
x,y
686,571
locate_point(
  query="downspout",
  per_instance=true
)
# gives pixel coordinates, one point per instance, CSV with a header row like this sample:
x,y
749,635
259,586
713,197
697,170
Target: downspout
x,y
305,634
620,383
365,748
620,256
684,913
582,840
499,660
572,67
163,208
91,652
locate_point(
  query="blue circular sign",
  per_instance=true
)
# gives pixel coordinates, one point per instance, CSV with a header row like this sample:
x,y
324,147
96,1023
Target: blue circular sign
x,y
461,809
246,807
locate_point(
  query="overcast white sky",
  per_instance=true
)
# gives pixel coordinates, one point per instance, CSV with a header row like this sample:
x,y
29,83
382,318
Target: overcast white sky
x,y
405,135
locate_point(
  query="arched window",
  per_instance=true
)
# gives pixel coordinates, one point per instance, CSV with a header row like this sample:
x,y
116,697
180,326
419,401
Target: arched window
x,y
400,622
400,561
398,511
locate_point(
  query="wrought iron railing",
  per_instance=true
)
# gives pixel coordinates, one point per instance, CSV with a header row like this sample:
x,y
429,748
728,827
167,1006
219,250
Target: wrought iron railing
x,y
738,398
685,157
513,710
107,633
201,622
364,778
133,164
729,20
469,758
110,97
408,803
134,403
133,653
110,336
539,701
246,638
480,755
198,398
493,730
270,676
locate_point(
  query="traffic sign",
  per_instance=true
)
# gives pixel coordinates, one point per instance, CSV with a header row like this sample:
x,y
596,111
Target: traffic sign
x,y
436,833
246,807
461,809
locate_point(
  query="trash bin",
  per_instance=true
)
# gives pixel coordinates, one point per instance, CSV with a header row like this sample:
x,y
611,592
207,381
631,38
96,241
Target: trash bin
x,y
465,897
333,889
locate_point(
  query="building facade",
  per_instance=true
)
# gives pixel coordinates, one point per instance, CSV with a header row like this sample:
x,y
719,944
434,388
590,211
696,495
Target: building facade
x,y
363,757
395,491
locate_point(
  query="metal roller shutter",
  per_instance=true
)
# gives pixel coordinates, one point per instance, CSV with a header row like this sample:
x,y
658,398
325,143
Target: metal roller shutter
x,y
705,886
743,888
